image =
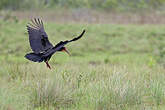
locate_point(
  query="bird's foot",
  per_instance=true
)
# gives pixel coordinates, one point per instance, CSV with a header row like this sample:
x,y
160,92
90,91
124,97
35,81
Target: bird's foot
x,y
47,64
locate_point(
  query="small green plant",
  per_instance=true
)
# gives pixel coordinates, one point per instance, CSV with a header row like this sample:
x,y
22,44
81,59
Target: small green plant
x,y
151,62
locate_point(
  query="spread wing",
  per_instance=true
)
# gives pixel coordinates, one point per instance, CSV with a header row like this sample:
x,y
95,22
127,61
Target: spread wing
x,y
76,38
37,36
61,44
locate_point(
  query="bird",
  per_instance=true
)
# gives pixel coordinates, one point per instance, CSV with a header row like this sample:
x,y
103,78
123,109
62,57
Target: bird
x,y
41,46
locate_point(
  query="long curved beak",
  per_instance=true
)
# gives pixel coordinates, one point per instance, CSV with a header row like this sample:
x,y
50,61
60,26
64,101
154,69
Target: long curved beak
x,y
67,51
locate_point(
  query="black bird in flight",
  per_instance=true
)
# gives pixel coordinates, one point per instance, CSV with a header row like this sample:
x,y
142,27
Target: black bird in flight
x,y
40,45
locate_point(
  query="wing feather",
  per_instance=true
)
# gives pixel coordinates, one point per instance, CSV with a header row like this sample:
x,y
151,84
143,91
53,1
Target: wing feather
x,y
37,36
76,38
61,44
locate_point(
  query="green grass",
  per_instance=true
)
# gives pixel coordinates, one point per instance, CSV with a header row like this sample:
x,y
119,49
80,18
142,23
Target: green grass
x,y
114,67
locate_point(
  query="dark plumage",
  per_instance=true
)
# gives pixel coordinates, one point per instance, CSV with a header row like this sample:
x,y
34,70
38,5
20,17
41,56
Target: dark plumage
x,y
40,45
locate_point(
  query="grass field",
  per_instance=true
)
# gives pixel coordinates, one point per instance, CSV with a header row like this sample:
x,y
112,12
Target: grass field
x,y
113,67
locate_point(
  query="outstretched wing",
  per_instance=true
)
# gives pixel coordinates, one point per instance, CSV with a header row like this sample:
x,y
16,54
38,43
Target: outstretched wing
x,y
37,36
61,44
76,38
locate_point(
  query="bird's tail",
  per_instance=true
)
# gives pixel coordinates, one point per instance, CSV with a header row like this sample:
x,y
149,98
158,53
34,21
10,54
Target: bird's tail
x,y
34,57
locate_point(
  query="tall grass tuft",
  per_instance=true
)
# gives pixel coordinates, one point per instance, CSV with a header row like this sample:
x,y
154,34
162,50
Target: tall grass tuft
x,y
52,91
115,92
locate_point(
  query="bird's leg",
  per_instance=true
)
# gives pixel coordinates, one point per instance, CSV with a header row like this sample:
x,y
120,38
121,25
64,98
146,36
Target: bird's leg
x,y
47,64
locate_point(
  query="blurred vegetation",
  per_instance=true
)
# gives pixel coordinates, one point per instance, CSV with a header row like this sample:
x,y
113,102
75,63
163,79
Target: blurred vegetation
x,y
107,5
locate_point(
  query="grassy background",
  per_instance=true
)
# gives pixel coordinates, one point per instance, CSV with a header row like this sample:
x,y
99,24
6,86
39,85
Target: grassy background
x,y
117,65
113,66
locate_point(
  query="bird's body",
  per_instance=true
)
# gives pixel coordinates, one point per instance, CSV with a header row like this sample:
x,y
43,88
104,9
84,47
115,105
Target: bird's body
x,y
42,48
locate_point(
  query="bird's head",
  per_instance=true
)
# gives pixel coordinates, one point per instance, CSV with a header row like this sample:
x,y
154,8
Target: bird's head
x,y
63,49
